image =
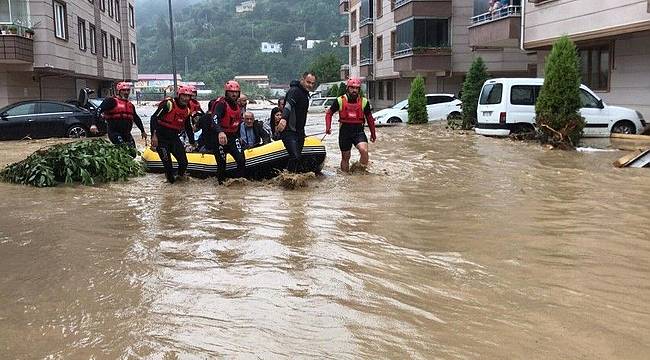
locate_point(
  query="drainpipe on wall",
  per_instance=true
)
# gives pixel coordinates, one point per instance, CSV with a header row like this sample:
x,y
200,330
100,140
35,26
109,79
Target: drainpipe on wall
x,y
523,28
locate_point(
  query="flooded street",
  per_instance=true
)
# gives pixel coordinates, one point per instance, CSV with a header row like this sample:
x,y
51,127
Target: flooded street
x,y
454,246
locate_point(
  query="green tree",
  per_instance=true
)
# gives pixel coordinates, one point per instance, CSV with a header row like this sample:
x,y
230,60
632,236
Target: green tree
x,y
333,91
476,76
558,105
327,67
342,89
418,102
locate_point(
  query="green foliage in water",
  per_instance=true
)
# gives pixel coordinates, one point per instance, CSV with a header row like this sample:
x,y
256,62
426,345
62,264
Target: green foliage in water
x,y
558,105
87,162
418,102
476,76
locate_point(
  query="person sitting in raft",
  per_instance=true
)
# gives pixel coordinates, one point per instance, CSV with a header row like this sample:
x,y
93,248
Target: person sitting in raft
x,y
251,132
276,116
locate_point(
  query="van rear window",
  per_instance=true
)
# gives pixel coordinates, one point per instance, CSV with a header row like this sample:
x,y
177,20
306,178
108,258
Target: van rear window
x,y
491,94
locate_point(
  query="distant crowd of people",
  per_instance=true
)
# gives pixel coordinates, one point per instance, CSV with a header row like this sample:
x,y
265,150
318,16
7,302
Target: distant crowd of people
x,y
226,127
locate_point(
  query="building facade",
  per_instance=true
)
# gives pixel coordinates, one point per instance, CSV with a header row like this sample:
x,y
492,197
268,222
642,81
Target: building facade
x,y
75,44
613,40
391,42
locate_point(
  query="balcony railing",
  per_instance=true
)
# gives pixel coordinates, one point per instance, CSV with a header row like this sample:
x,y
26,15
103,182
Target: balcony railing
x,y
506,11
366,21
418,51
399,3
365,62
16,29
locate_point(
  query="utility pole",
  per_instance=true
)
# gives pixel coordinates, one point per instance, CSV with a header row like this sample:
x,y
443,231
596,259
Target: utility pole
x,y
186,68
171,30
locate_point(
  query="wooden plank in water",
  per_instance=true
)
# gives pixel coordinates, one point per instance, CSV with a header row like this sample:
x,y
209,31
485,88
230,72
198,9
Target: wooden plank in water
x,y
631,137
637,159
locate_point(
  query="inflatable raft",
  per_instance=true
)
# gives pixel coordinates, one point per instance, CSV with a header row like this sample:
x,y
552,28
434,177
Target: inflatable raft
x,y
262,162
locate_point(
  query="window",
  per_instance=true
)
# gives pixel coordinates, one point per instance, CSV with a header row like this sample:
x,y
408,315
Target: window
x,y
110,8
366,50
588,101
393,41
380,47
366,10
60,23
119,50
49,108
353,52
133,54
418,33
371,90
20,110
93,38
524,94
113,49
104,44
117,10
595,67
131,17
102,5
389,90
353,21
380,10
491,94
13,11
380,90
81,28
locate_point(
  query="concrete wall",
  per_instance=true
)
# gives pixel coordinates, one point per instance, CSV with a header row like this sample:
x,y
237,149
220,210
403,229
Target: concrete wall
x,y
16,85
583,19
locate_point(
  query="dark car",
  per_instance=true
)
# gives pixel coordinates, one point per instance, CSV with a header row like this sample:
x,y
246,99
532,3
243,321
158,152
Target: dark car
x,y
44,118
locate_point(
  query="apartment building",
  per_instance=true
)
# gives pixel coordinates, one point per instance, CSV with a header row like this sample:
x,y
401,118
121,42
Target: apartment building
x,y
58,47
613,39
391,42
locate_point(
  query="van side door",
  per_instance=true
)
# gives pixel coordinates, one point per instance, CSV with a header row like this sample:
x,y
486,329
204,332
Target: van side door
x,y
596,118
522,104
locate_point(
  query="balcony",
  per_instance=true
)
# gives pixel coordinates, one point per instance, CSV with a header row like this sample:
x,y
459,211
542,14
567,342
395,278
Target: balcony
x,y
405,9
344,39
422,60
344,7
365,69
498,29
345,71
365,27
16,49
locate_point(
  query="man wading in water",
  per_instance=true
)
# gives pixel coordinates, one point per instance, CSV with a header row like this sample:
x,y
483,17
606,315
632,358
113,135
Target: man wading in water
x,y
294,117
226,117
169,120
353,111
119,114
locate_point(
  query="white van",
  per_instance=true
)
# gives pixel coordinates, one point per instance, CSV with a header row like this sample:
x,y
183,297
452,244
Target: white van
x,y
508,104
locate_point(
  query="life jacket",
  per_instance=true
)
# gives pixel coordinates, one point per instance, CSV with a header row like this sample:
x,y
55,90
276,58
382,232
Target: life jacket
x,y
175,118
195,107
123,111
352,113
232,118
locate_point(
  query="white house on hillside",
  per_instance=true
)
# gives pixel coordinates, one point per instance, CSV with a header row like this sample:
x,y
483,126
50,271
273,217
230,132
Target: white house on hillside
x,y
267,47
246,6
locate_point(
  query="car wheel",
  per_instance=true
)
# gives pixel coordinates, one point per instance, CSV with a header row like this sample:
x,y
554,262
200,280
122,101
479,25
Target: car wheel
x,y
453,116
77,131
624,127
523,129
394,120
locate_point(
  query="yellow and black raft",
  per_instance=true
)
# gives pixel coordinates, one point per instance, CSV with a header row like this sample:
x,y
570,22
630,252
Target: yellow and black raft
x,y
263,162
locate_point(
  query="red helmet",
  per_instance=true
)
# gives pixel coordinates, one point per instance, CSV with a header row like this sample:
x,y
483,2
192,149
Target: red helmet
x,y
354,82
123,85
232,85
185,89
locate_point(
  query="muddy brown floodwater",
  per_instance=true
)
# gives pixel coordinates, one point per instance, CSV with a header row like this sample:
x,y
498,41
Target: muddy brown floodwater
x,y
453,246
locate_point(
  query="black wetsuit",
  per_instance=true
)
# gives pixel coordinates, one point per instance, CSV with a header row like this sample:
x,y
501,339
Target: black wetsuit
x,y
118,131
169,142
295,112
232,147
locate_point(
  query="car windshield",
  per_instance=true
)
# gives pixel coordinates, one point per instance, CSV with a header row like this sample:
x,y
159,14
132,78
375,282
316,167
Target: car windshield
x,y
400,104
95,102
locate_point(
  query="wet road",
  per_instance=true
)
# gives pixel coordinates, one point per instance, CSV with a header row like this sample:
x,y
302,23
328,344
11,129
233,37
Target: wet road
x,y
454,246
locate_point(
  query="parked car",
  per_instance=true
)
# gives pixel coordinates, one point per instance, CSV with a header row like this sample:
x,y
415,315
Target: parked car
x,y
508,105
439,107
44,118
320,105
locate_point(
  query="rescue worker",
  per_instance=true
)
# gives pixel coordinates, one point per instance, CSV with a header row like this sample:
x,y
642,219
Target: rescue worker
x,y
195,106
226,116
169,120
354,111
294,117
119,114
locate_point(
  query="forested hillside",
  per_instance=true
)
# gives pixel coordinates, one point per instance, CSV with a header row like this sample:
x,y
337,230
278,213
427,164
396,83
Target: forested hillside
x,y
220,43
